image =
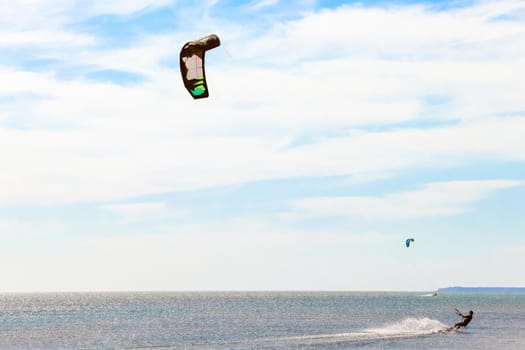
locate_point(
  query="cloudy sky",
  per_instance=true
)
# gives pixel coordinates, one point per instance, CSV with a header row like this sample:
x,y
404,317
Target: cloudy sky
x,y
334,130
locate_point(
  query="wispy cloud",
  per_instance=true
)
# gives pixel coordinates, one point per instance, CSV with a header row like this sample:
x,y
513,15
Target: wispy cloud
x,y
434,199
263,3
123,7
30,13
47,38
92,110
458,34
135,212
153,161
245,254
15,232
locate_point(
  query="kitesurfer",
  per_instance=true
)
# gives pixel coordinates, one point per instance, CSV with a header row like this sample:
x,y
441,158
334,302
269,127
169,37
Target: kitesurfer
x,y
465,322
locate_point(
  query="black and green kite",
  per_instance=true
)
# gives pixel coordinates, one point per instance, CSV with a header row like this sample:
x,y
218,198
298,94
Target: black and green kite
x,y
192,64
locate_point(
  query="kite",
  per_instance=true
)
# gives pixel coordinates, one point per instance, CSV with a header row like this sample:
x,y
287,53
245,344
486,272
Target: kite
x,y
407,242
192,64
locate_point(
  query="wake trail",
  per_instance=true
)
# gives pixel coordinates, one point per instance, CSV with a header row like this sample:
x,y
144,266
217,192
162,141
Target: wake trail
x,y
406,328
409,327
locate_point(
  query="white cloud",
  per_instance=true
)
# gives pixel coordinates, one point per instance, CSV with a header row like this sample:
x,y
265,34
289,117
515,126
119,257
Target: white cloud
x,y
519,248
378,32
247,255
241,255
362,178
263,3
352,77
40,13
45,38
434,199
123,7
126,158
135,212
13,228
16,232
89,141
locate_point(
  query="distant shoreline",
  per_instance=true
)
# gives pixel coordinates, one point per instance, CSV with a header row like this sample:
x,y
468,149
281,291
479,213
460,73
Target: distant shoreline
x,y
496,290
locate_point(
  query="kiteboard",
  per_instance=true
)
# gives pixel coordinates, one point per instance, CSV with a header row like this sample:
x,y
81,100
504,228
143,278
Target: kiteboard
x,y
451,329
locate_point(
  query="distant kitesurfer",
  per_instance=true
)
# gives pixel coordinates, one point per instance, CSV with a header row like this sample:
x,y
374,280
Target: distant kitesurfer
x,y
465,322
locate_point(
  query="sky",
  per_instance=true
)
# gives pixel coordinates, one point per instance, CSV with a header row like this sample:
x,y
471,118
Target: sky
x,y
334,131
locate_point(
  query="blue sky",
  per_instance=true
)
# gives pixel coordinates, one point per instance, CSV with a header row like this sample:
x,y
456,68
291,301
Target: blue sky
x,y
334,130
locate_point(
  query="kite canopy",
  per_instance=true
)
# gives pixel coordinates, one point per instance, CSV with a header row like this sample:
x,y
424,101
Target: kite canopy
x,y
192,64
407,242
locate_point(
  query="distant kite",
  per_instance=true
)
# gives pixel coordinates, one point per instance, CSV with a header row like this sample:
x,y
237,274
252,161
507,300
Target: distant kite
x,y
407,242
192,64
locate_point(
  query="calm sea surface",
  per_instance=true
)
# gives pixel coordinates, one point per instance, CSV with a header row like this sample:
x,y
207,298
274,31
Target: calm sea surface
x,y
263,320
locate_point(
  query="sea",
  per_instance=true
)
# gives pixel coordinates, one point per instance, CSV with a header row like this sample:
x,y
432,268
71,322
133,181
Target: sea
x,y
260,320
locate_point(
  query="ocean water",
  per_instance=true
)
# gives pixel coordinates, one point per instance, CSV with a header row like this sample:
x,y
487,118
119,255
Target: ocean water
x,y
259,320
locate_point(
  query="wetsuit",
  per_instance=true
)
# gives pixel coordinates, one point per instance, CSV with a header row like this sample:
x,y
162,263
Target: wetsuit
x,y
465,322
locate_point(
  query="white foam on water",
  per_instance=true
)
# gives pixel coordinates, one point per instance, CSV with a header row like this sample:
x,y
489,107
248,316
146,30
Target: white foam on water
x,y
409,327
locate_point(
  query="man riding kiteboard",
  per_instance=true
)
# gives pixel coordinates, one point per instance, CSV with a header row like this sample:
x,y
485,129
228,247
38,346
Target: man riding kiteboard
x,y
465,322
